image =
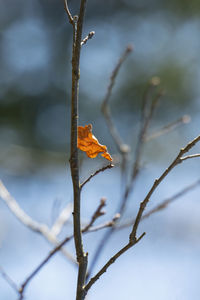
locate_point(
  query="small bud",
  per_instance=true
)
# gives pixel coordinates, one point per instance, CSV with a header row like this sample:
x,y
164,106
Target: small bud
x,y
75,18
91,33
125,148
102,212
116,217
186,119
129,48
103,201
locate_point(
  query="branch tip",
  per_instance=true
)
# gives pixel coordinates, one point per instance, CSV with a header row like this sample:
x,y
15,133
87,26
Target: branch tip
x,y
88,37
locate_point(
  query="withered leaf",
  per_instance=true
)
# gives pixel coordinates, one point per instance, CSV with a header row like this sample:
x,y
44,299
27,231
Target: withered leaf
x,y
88,143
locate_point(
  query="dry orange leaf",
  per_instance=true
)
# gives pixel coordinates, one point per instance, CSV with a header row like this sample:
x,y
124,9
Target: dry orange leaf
x,y
88,142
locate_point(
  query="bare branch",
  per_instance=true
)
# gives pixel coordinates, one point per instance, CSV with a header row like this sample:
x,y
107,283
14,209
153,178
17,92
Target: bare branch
x,y
168,128
68,12
74,163
190,156
88,37
111,261
168,201
7,278
105,225
103,241
109,166
156,183
161,206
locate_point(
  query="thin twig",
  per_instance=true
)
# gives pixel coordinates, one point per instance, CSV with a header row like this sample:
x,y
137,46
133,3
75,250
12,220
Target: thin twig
x,y
109,166
168,201
168,128
190,156
111,261
160,206
28,221
111,227
157,182
68,12
9,280
107,224
88,37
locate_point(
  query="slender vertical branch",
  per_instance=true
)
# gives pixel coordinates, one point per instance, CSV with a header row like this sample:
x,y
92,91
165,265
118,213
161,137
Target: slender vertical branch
x,y
74,164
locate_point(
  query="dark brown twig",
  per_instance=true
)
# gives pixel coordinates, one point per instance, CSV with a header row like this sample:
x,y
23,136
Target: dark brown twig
x,y
157,182
111,261
168,201
94,174
74,163
160,206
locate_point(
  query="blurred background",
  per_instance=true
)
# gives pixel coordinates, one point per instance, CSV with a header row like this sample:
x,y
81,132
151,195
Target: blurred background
x,y
35,82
